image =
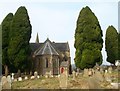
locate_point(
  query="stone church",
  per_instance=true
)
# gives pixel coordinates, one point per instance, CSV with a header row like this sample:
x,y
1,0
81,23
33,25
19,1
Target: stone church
x,y
50,57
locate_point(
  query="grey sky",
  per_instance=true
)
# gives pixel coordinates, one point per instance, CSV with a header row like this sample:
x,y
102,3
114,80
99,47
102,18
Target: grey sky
x,y
57,20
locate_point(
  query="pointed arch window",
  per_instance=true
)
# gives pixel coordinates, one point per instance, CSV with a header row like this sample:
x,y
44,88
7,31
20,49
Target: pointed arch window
x,y
46,62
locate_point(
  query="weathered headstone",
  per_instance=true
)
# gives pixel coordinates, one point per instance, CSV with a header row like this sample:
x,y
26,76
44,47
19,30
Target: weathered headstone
x,y
98,76
110,70
9,80
85,74
19,78
35,74
19,73
46,74
63,79
90,73
30,73
15,80
26,78
93,83
4,82
38,76
107,77
78,71
101,71
74,75
32,77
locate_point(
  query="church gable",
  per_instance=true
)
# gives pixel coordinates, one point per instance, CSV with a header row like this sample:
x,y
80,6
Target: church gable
x,y
47,48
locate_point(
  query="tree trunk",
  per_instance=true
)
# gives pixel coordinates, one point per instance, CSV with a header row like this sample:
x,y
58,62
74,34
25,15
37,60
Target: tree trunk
x,y
6,70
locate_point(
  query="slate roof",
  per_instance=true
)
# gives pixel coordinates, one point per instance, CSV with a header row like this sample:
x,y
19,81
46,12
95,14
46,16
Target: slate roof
x,y
49,47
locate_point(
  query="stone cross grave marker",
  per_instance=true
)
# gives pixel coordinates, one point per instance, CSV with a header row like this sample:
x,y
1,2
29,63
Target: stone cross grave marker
x,y
63,79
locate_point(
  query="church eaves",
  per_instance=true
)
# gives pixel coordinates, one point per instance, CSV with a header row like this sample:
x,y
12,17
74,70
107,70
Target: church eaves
x,y
47,49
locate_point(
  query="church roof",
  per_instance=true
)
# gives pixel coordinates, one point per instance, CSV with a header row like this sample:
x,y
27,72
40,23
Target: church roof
x,y
47,48
57,46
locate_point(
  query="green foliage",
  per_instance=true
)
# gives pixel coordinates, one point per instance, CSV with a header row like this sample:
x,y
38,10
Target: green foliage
x,y
5,37
20,34
88,40
111,44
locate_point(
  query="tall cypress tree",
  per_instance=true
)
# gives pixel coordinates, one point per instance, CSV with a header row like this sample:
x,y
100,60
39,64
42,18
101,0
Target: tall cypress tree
x,y
88,40
111,44
5,39
20,34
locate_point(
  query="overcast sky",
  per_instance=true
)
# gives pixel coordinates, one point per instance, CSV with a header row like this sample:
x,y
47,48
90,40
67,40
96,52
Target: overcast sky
x,y
57,20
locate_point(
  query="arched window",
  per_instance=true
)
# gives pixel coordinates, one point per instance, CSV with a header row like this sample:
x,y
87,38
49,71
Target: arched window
x,y
46,62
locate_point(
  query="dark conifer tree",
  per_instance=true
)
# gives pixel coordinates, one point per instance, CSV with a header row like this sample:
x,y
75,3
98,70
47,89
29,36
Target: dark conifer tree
x,y
111,44
20,34
6,25
88,40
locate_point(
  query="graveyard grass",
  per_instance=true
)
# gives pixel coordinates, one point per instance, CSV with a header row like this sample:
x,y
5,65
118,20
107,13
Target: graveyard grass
x,y
80,82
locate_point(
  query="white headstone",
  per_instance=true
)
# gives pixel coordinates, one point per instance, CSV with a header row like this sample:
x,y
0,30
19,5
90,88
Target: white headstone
x,y
19,78
3,80
110,70
35,74
26,78
38,76
9,80
32,77
12,76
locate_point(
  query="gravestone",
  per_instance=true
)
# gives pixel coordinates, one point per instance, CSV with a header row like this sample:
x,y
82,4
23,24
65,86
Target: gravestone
x,y
85,74
30,73
107,77
19,73
63,79
6,84
20,79
101,71
12,76
93,71
93,83
35,74
110,70
74,75
32,77
38,76
9,80
78,71
90,73
46,74
26,78
99,76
